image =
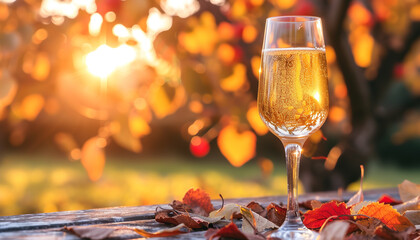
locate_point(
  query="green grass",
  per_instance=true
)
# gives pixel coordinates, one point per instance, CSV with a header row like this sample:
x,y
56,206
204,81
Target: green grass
x,y
43,183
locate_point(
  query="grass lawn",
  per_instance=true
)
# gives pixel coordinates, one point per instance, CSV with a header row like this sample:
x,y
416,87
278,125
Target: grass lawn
x,y
41,183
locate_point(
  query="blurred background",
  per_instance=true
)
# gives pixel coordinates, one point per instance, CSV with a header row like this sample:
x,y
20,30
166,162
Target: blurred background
x,y
109,102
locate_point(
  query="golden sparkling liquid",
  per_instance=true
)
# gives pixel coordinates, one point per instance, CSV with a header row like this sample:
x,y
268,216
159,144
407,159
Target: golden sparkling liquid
x,y
293,91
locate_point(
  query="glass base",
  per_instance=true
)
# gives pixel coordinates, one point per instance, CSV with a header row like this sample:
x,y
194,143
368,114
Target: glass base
x,y
293,230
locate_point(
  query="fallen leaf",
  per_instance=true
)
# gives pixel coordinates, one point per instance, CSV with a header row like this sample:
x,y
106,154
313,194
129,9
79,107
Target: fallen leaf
x,y
94,233
174,218
227,211
413,204
314,219
254,222
356,208
310,204
162,233
367,225
276,214
413,216
383,232
257,208
358,197
386,214
408,190
199,201
334,231
230,231
385,198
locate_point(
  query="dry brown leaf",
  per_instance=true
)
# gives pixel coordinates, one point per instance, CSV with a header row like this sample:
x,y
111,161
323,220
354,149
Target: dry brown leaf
x,y
413,216
257,208
413,204
253,221
310,204
382,232
162,233
408,190
91,232
386,214
334,231
231,231
276,214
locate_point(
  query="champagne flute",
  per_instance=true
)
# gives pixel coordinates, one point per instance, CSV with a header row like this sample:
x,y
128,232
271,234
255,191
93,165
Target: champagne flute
x,y
293,98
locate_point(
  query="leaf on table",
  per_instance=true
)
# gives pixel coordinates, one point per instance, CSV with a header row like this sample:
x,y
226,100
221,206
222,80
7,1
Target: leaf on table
x,y
358,197
387,215
366,225
230,231
94,233
180,206
385,198
413,216
276,214
227,212
356,208
413,204
383,232
408,190
314,219
162,233
174,218
254,223
310,204
257,208
334,231
199,201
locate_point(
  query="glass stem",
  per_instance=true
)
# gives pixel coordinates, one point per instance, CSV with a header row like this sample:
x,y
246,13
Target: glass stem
x,y
293,152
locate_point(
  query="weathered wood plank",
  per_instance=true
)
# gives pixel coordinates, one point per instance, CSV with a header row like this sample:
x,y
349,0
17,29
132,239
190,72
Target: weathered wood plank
x,y
49,225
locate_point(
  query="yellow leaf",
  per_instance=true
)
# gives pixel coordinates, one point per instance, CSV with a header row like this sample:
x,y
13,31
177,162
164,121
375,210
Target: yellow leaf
x,y
123,136
236,80
160,101
255,121
138,126
93,157
31,106
238,148
41,69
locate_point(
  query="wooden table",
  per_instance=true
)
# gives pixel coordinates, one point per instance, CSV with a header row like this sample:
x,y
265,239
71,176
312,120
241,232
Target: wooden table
x,y
49,225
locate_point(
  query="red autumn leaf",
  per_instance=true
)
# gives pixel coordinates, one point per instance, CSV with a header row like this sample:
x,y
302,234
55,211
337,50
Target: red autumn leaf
x,y
386,214
276,214
257,208
174,218
94,233
199,201
162,233
385,198
230,231
314,219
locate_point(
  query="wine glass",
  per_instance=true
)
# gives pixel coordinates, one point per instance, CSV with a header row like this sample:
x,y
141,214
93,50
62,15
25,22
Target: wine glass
x,y
293,98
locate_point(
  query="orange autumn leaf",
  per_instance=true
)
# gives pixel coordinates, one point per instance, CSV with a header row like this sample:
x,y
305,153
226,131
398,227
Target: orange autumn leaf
x,y
93,157
314,219
198,199
386,214
237,147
